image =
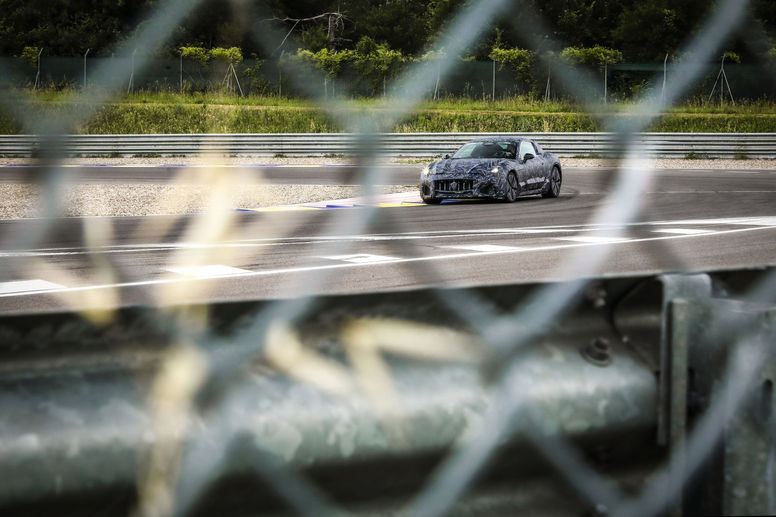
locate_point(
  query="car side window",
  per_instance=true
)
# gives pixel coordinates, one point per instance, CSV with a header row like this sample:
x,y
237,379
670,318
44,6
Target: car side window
x,y
511,150
525,148
537,147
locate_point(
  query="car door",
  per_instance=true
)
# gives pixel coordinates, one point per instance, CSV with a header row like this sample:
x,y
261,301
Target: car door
x,y
529,166
542,166
515,164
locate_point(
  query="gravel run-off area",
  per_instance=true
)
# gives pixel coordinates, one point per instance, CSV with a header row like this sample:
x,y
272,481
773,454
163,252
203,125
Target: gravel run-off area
x,y
206,193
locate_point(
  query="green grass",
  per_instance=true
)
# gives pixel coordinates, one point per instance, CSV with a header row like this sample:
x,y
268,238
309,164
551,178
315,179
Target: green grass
x,y
145,112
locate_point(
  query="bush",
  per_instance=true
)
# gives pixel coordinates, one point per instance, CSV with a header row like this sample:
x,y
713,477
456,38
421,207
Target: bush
x,y
593,56
197,54
30,55
520,61
376,63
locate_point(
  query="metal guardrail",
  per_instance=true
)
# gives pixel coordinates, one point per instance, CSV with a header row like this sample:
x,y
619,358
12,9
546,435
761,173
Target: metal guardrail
x,y
644,362
668,145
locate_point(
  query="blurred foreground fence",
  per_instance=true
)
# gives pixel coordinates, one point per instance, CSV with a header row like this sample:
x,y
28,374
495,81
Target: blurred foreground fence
x,y
669,145
627,375
623,396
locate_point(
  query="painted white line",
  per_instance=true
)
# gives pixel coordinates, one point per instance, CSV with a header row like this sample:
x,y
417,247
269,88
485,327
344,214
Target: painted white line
x,y
685,192
482,247
554,230
754,221
682,231
362,258
207,271
27,286
308,269
594,239
433,234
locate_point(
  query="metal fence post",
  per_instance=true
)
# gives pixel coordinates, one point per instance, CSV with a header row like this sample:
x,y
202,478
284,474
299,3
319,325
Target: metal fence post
x,y
663,91
132,73
493,95
85,54
37,75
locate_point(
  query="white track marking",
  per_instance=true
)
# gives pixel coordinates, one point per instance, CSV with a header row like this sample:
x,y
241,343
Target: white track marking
x,y
207,271
27,286
308,269
682,231
553,230
362,258
483,247
432,234
594,239
754,221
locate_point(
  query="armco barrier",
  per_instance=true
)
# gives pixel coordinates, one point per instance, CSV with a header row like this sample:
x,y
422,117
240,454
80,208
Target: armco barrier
x,y
76,425
668,145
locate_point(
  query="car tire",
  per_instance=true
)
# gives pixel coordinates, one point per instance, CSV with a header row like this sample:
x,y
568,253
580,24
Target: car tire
x,y
552,189
432,200
511,187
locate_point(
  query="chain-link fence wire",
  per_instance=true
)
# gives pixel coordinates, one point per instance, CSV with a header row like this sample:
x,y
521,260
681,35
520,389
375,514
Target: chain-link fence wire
x,y
204,374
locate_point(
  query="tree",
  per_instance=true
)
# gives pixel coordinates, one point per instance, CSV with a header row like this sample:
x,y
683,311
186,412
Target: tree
x,y
30,55
595,56
334,22
376,63
519,60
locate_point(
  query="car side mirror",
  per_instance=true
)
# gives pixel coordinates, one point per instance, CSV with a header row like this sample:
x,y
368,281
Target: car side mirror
x,y
528,156
447,157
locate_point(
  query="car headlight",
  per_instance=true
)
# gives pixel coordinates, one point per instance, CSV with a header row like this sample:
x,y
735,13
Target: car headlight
x,y
495,170
425,171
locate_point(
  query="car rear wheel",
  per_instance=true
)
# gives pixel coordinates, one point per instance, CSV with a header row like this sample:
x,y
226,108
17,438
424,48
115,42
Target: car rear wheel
x,y
553,186
512,188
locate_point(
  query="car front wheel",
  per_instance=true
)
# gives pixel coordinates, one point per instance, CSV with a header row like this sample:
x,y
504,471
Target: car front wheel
x,y
553,186
511,188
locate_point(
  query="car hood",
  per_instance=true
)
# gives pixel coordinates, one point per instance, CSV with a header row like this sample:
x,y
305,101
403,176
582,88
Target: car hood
x,y
465,165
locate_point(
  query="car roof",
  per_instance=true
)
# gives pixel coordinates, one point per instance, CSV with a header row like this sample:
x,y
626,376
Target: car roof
x,y
514,139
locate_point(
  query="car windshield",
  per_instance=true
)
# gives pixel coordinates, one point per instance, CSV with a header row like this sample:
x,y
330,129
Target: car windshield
x,y
486,150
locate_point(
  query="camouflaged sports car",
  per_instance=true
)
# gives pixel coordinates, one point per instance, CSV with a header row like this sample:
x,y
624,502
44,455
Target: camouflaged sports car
x,y
497,168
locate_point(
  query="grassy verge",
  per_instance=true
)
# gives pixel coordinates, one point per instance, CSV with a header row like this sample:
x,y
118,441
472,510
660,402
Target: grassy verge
x,y
220,113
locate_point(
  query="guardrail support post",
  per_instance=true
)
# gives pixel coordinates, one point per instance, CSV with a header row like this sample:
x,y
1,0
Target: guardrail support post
x,y
736,478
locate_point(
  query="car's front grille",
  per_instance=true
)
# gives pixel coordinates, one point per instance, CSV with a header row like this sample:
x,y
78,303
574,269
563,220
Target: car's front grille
x,y
452,185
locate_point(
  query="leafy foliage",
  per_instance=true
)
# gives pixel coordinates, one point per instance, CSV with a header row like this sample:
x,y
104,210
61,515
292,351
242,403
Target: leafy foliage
x,y
731,57
594,56
520,61
203,56
644,30
30,55
198,54
376,63
330,62
231,55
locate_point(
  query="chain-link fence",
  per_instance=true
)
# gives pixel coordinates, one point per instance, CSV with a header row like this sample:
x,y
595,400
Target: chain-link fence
x,y
323,404
469,79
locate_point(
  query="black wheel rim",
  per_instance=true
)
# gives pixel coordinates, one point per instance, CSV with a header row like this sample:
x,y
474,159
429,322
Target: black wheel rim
x,y
555,182
512,187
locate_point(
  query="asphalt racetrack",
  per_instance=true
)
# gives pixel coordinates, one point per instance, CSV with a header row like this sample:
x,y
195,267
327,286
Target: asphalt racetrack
x,y
690,220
